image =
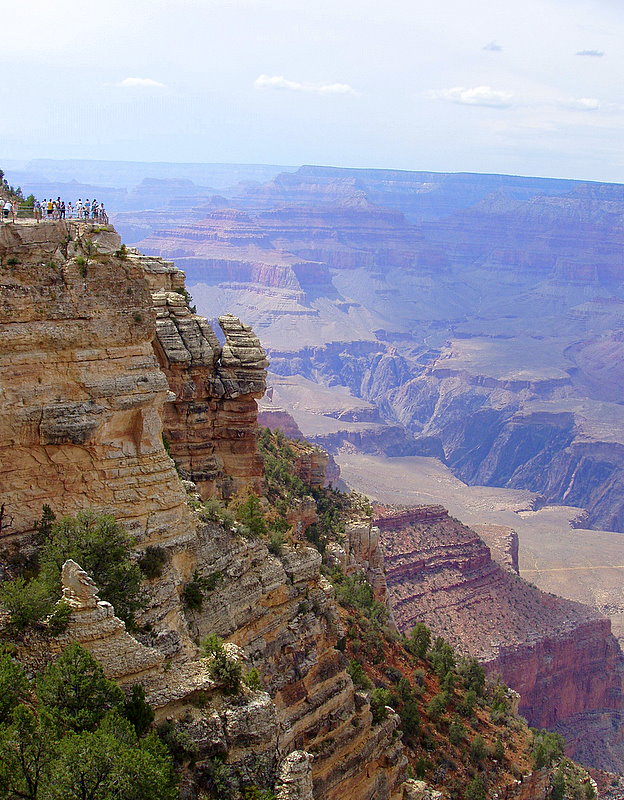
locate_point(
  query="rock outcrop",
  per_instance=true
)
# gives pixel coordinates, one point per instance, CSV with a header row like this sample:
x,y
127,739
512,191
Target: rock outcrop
x,y
85,400
559,655
82,393
210,426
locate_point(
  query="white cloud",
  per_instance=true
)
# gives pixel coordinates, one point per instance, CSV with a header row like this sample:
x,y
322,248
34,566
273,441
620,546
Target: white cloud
x,y
140,83
581,104
280,82
477,96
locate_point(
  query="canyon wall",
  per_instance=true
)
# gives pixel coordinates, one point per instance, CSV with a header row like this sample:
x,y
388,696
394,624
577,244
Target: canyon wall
x,y
559,655
82,393
84,399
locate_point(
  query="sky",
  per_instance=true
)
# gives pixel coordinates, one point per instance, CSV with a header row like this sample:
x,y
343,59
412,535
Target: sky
x,y
533,87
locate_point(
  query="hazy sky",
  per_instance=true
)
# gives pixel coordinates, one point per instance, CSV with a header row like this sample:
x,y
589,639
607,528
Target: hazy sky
x,y
533,87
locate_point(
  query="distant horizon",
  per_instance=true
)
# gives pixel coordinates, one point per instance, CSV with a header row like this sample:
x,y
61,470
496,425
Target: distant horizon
x,y
23,163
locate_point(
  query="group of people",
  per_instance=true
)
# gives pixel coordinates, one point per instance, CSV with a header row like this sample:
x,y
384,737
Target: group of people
x,y
57,209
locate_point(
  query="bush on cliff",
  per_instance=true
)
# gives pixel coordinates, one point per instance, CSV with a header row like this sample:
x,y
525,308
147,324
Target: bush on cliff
x,y
547,748
281,481
66,737
419,640
103,548
153,560
223,669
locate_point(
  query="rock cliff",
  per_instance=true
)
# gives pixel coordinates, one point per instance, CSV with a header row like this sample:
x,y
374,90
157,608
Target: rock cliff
x,y
559,655
82,393
99,355
210,425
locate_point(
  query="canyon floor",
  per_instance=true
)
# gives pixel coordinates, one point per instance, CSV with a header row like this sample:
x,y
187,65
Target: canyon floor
x,y
583,565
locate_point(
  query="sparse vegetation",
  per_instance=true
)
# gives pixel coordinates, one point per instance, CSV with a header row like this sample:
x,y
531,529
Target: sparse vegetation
x,y
194,592
153,561
224,669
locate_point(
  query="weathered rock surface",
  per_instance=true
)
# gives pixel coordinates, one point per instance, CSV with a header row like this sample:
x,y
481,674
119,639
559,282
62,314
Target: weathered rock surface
x,y
94,625
82,393
210,426
559,655
84,399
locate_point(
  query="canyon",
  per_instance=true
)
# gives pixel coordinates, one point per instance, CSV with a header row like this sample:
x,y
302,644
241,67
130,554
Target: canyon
x,y
474,319
83,413
560,656
398,314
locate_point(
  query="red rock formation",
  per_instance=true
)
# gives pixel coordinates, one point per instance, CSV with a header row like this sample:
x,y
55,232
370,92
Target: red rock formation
x,y
560,655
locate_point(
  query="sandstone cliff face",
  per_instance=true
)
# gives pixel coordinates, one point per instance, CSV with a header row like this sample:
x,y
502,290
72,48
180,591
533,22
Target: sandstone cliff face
x,y
210,426
84,399
82,393
559,655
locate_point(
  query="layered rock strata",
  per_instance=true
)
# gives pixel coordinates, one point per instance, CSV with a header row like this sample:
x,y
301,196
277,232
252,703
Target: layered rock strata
x,y
82,393
210,426
84,400
559,655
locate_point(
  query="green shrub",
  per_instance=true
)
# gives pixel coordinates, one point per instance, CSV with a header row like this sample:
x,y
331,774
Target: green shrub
x,y
221,780
437,705
410,718
466,705
547,747
103,549
498,751
558,785
193,592
276,543
478,749
223,669
177,741
250,513
255,793
14,686
419,640
28,602
476,789
153,561
457,733
379,699
441,657
358,676
253,680
421,767
138,711
472,675
75,691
